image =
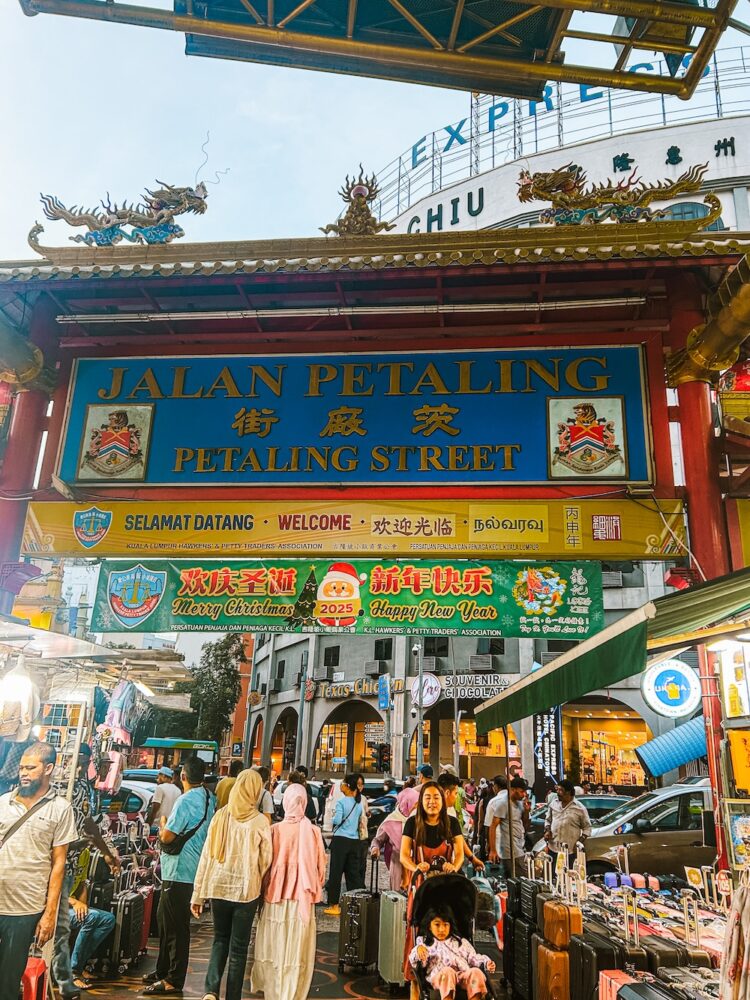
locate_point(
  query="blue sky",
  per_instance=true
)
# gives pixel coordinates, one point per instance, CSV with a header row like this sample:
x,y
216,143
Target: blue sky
x,y
91,107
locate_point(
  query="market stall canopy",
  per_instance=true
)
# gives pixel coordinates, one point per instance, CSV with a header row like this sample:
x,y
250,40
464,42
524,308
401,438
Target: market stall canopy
x,y
42,648
683,619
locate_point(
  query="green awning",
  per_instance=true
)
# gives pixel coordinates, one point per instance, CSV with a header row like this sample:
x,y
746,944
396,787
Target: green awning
x,y
619,651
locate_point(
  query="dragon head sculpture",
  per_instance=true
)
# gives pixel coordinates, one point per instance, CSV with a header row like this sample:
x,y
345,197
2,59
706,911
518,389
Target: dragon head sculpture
x,y
546,185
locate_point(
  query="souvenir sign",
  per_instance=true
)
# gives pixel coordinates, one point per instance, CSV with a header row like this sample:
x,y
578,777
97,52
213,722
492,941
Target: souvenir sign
x,y
671,689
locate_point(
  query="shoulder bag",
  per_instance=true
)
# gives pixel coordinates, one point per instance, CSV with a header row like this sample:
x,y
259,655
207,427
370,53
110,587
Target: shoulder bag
x,y
175,846
23,819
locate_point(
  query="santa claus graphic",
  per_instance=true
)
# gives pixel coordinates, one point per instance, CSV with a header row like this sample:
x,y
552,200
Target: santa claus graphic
x,y
338,601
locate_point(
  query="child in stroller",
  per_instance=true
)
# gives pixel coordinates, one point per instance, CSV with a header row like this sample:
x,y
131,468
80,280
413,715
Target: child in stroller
x,y
444,958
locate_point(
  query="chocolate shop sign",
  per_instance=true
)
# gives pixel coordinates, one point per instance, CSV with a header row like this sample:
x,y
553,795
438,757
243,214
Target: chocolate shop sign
x,y
476,686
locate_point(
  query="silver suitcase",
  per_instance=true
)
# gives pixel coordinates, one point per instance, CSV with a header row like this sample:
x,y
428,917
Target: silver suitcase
x,y
392,939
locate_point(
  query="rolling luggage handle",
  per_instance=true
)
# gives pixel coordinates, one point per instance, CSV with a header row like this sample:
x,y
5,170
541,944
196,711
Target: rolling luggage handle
x,y
709,882
690,916
630,911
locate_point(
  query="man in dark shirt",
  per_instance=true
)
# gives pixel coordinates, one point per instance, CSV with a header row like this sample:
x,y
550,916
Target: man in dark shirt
x,y
311,810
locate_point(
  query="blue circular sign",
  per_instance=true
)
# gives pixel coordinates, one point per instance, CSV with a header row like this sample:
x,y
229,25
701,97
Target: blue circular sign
x,y
671,689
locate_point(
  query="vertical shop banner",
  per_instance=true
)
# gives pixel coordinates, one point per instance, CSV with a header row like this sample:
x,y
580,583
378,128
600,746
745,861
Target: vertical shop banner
x,y
450,597
547,750
520,415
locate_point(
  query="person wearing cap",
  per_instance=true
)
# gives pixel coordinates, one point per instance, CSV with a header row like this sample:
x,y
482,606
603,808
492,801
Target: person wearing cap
x,y
72,911
425,773
164,798
510,818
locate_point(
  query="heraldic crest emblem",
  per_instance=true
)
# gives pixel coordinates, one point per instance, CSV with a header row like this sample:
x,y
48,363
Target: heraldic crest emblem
x,y
587,443
114,448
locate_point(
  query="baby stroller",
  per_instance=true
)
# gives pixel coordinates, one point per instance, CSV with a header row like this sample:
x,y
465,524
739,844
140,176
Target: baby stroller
x,y
461,893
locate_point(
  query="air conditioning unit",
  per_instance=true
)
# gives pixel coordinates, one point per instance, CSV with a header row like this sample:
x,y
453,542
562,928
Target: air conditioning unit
x,y
322,673
547,656
481,663
432,663
611,578
374,668
277,684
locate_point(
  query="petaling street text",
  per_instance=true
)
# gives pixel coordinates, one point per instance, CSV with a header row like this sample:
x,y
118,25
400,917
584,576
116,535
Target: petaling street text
x,y
347,458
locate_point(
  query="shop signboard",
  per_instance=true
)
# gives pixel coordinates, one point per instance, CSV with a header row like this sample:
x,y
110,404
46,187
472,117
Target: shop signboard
x,y
365,597
475,687
672,689
735,689
430,690
549,529
513,415
547,750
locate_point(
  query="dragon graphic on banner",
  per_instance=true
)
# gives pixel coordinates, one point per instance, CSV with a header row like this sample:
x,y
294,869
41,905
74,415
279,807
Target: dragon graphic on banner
x,y
626,201
149,221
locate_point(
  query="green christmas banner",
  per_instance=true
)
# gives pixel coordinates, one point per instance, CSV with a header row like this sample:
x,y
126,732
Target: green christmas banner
x,y
365,596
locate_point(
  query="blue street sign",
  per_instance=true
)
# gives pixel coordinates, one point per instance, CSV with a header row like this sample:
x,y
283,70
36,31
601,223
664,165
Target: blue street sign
x,y
384,692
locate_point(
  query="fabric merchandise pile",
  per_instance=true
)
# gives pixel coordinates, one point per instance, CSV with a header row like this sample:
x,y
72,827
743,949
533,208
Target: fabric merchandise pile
x,y
642,938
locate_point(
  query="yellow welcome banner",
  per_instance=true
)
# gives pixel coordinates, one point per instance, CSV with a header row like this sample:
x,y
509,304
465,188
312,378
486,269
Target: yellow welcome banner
x,y
561,529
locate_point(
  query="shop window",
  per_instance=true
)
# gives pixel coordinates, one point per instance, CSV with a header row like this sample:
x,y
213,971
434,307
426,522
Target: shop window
x,y
685,211
333,743
491,644
331,655
436,645
384,649
280,668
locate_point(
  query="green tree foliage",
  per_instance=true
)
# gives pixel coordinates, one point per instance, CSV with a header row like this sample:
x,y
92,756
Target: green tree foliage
x,y
216,687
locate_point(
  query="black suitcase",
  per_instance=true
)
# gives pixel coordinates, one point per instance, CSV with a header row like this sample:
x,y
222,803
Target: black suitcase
x,y
123,948
530,889
509,947
590,954
101,895
514,897
643,991
662,953
536,940
359,927
522,971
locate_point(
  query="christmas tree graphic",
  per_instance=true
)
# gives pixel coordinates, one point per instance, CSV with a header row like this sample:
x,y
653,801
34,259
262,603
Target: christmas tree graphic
x,y
303,612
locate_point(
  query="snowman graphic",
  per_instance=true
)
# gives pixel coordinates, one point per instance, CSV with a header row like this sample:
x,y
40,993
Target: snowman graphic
x,y
338,601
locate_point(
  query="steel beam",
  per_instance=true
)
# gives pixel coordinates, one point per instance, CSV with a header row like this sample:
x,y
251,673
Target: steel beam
x,y
495,74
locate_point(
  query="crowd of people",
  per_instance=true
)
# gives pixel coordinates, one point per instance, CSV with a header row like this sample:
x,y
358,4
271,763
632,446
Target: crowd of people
x,y
233,850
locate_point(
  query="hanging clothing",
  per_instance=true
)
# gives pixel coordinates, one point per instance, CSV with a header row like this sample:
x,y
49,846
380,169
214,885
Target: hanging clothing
x,y
121,716
286,936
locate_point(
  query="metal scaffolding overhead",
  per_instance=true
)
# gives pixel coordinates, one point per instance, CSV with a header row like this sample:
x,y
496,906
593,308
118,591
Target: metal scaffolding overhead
x,y
508,48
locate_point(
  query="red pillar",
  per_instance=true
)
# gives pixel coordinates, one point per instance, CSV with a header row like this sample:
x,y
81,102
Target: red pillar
x,y
706,519
24,439
708,536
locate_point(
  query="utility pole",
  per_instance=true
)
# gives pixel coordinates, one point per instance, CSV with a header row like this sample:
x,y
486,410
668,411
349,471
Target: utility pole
x,y
417,650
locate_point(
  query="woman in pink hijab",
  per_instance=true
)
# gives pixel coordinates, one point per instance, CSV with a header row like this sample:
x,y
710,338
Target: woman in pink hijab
x,y
285,939
390,831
